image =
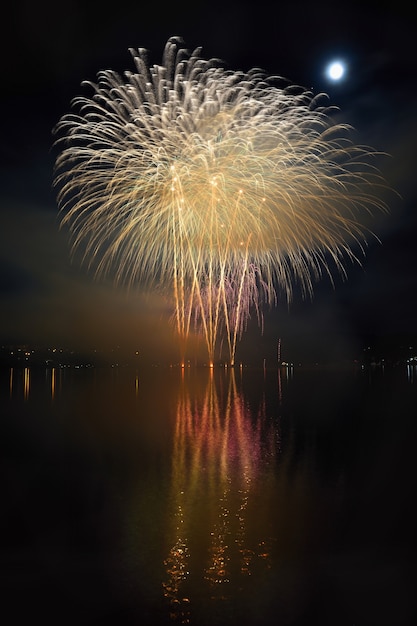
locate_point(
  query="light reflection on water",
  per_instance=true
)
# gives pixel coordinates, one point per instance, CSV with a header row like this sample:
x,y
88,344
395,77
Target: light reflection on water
x,y
219,448
209,497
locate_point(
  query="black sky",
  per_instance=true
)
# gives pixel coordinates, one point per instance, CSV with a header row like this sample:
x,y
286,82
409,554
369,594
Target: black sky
x,y
51,48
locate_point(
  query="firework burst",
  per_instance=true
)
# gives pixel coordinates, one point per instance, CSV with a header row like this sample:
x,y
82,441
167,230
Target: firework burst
x,y
223,188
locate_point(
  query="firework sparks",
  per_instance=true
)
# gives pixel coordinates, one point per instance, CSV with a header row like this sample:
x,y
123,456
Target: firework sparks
x,y
221,187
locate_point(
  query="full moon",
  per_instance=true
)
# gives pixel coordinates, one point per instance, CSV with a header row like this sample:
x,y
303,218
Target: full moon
x,y
336,70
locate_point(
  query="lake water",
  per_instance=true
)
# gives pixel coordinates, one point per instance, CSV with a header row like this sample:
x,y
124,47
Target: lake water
x,y
194,497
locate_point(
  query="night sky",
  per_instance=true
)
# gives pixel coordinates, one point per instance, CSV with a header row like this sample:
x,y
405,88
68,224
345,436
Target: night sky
x,y
48,297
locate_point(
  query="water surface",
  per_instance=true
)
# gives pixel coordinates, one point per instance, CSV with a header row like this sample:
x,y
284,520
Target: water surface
x,y
229,497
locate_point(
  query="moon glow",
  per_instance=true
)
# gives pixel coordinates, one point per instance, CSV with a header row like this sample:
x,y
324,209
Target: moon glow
x,y
335,71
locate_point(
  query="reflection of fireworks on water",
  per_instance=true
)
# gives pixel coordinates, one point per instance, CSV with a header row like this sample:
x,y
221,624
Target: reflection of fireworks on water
x,y
217,185
221,457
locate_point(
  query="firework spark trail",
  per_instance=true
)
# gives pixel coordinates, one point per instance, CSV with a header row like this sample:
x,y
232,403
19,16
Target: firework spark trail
x,y
222,187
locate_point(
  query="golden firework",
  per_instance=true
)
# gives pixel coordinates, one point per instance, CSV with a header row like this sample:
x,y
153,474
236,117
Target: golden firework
x,y
221,187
